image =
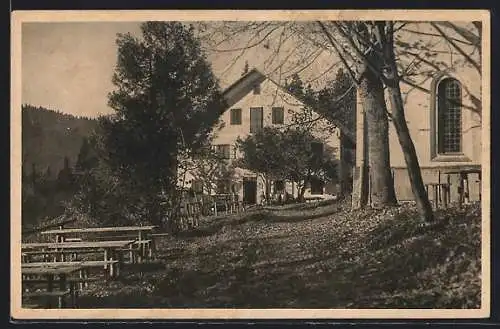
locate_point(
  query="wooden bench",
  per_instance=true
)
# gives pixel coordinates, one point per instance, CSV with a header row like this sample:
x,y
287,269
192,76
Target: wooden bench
x,y
56,254
49,274
139,250
105,234
31,305
440,193
60,295
81,282
73,240
113,264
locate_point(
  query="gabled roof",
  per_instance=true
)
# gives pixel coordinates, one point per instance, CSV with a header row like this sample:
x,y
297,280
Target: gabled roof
x,y
243,86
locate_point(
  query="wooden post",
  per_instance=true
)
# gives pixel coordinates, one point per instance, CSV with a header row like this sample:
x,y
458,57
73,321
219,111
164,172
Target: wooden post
x,y
72,293
50,282
436,199
105,258
448,181
445,195
62,286
466,188
480,185
81,276
439,187
460,191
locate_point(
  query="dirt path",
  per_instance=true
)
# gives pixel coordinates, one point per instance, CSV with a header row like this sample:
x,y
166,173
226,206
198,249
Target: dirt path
x,y
263,260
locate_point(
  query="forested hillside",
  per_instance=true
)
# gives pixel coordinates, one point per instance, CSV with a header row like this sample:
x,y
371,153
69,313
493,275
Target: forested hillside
x,y
49,136
51,142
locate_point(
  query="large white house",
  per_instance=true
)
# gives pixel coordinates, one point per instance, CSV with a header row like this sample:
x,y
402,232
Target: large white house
x,y
255,101
442,101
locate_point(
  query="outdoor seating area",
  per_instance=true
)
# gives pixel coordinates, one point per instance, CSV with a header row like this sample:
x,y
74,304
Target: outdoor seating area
x,y
440,193
226,203
59,270
193,209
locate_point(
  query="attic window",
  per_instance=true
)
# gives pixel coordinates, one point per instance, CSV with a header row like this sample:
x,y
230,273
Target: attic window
x,y
278,115
236,116
256,89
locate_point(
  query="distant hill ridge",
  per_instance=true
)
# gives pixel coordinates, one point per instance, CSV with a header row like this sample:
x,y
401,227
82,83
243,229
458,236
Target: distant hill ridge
x,y
48,136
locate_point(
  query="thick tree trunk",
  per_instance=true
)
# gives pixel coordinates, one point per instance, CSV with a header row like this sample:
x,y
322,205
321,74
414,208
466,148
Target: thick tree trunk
x,y
371,94
410,155
301,190
267,182
360,174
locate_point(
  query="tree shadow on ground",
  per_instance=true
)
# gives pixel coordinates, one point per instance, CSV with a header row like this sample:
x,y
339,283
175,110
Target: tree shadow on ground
x,y
215,225
385,269
301,206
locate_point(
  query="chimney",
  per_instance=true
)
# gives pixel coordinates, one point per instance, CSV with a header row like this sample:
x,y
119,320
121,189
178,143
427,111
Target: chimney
x,y
245,69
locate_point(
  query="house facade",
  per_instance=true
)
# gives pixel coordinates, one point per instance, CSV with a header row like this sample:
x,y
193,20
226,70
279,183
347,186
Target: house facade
x,y
255,101
443,112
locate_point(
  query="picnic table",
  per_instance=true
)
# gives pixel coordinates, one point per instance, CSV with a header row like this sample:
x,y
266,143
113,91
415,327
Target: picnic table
x,y
440,192
463,188
140,231
142,234
49,273
109,249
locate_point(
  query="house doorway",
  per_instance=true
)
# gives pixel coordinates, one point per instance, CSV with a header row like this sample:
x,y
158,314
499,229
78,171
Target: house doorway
x,y
249,190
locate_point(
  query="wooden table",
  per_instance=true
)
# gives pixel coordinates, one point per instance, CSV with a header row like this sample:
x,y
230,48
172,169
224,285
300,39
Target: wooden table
x,y
139,230
143,235
463,188
49,272
441,193
108,247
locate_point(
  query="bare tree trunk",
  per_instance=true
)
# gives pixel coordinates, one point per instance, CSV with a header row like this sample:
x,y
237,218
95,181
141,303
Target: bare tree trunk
x,y
410,155
371,94
302,192
360,177
398,118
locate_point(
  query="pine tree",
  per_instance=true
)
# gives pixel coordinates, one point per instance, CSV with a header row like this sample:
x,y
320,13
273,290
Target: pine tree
x,y
166,100
65,176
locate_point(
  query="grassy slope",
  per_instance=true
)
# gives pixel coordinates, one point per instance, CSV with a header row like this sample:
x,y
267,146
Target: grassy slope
x,y
363,259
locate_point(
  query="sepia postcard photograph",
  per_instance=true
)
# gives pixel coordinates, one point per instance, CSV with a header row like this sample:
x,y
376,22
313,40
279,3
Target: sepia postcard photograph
x,y
250,164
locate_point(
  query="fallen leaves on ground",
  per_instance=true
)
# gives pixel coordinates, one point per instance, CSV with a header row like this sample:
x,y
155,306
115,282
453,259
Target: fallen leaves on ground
x,y
346,259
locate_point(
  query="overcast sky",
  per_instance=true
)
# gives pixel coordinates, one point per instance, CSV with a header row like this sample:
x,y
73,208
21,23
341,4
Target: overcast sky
x,y
68,66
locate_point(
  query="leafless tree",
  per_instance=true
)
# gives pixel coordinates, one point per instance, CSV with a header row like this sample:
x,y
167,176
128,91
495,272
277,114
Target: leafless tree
x,y
378,59
298,46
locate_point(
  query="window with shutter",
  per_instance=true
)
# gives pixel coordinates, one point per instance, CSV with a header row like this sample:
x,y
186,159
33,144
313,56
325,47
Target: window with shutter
x,y
223,150
236,116
278,115
197,186
256,119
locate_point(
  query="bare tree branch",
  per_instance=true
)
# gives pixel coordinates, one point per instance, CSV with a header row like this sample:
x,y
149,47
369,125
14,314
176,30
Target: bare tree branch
x,y
458,48
342,58
416,86
435,35
328,70
464,33
362,55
